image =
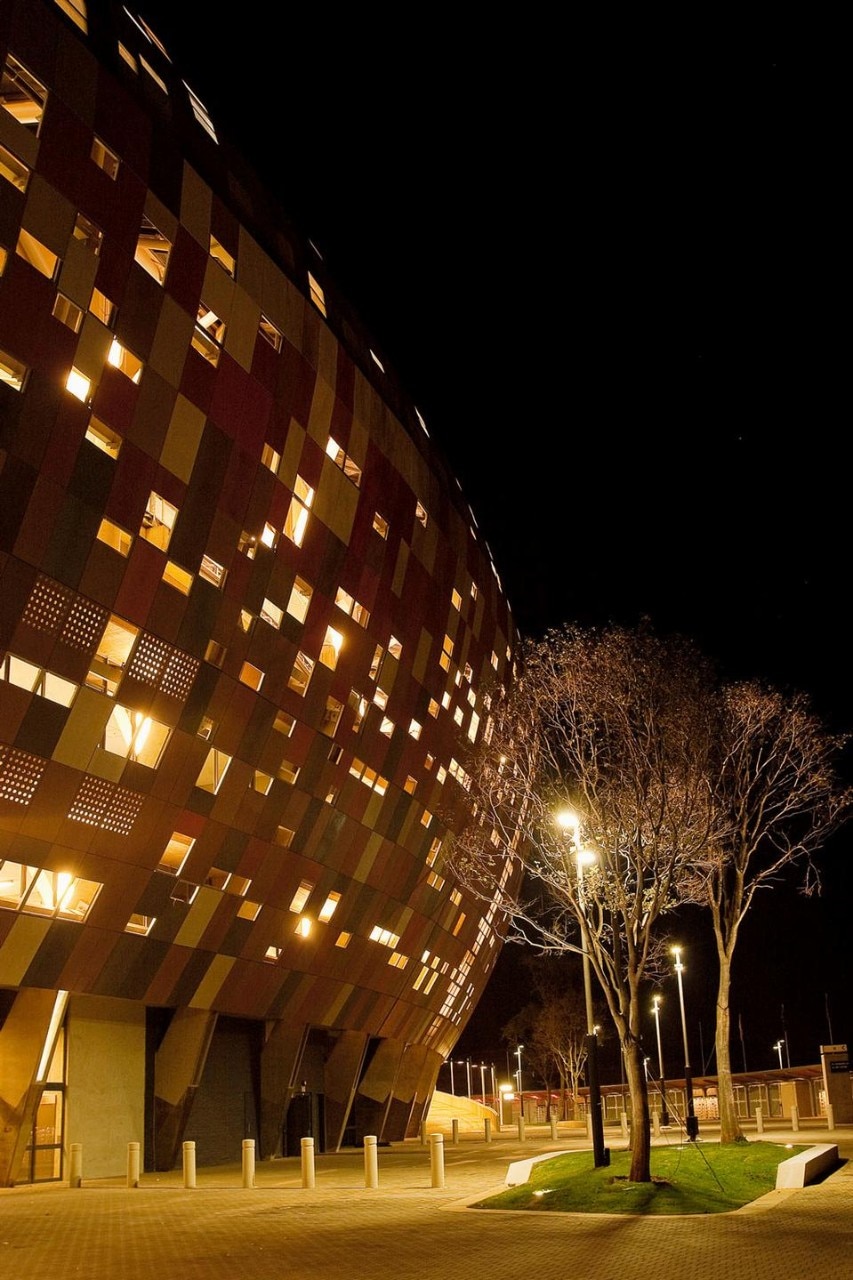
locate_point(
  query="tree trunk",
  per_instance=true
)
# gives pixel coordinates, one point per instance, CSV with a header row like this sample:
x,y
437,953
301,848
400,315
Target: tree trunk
x,y
641,1143
730,1130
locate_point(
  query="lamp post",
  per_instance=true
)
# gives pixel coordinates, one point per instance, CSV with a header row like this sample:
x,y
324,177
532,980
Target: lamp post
x,y
664,1114
778,1047
692,1122
468,1073
452,1083
601,1156
483,1083
518,1082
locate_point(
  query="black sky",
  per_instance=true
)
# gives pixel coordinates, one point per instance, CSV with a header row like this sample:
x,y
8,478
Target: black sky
x,y
607,265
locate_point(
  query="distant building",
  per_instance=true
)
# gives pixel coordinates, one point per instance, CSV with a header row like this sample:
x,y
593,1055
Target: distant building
x,y
246,621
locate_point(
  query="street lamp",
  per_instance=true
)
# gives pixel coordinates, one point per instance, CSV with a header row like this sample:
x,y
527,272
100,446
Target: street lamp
x,y
692,1122
664,1114
601,1156
778,1047
452,1084
518,1079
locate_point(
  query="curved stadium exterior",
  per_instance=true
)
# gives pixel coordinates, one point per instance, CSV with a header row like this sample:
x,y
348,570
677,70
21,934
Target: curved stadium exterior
x,y
245,621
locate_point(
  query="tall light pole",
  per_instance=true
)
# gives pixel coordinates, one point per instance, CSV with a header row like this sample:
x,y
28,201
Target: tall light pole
x,y
692,1122
483,1083
452,1084
778,1047
468,1073
601,1156
518,1072
664,1114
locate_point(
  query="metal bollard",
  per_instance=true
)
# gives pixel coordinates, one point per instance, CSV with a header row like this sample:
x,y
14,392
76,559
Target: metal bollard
x,y
75,1176
307,1145
436,1159
553,1128
248,1162
188,1149
133,1164
371,1167
487,1127
454,1124
521,1128
795,1118
759,1120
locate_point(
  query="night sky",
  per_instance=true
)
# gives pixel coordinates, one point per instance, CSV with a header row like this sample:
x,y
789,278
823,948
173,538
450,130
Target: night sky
x,y
607,272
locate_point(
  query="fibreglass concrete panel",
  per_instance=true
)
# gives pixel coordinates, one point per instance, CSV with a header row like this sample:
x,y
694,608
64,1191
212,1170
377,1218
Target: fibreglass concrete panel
x,y
20,946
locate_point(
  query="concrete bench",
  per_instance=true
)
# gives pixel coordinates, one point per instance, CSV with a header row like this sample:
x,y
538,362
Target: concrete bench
x,y
800,1170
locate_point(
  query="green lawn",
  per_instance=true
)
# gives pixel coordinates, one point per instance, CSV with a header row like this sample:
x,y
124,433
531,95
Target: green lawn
x,y
697,1177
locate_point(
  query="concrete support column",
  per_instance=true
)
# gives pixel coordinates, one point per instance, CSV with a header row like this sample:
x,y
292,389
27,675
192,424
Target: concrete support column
x,y
178,1067
22,1043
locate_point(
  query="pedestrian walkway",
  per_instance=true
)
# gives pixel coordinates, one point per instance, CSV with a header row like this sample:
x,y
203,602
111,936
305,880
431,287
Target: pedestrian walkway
x,y
408,1228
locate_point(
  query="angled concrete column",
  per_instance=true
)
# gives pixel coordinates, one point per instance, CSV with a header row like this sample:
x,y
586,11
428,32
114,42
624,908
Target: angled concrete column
x,y
404,1093
22,1043
340,1081
376,1088
178,1067
430,1062
279,1060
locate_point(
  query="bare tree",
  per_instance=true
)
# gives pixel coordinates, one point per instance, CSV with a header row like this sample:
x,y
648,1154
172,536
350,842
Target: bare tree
x,y
615,724
778,798
553,1027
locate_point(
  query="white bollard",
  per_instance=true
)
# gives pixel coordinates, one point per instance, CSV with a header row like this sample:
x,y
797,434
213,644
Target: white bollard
x,y
371,1166
759,1120
521,1128
656,1122
189,1164
487,1126
553,1128
133,1164
248,1162
75,1176
795,1118
454,1125
436,1159
830,1116
423,1133
623,1119
307,1145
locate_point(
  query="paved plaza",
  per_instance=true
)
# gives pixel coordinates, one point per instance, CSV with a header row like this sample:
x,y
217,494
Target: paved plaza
x,y
406,1228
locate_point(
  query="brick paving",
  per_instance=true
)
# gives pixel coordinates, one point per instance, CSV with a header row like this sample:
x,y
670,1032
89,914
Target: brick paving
x,y
407,1229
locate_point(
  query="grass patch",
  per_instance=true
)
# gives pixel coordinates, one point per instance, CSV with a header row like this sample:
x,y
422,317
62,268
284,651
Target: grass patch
x,y
698,1177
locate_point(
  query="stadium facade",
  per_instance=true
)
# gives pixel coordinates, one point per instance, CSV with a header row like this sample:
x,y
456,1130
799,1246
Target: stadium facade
x,y
246,621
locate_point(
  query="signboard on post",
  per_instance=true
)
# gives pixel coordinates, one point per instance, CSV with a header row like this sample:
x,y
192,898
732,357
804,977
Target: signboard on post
x,y
837,1082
